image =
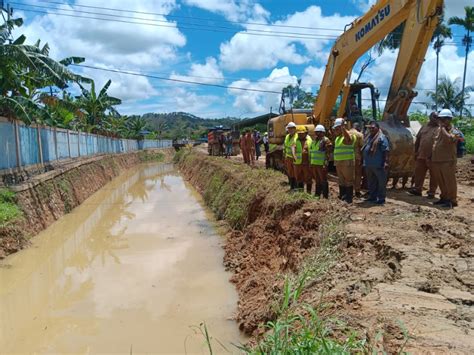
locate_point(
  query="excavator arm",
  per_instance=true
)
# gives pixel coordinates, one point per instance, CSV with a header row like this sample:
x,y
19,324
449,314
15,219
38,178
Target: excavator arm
x,y
421,18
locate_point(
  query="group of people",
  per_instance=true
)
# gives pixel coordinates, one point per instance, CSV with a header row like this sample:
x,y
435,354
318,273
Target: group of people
x,y
250,145
356,154
436,152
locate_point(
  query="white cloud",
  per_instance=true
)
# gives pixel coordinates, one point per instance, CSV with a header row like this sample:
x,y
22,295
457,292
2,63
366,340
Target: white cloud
x,y
175,99
456,8
244,10
257,102
264,52
364,5
112,44
208,73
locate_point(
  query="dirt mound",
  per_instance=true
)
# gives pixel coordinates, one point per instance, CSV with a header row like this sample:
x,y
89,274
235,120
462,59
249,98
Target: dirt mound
x,y
402,273
465,171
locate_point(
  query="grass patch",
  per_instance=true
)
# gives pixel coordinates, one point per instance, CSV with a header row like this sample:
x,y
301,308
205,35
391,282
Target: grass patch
x,y
9,210
66,192
149,156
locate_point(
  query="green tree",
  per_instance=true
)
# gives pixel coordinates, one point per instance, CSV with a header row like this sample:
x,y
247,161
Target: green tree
x,y
451,95
27,69
468,24
137,126
441,33
96,107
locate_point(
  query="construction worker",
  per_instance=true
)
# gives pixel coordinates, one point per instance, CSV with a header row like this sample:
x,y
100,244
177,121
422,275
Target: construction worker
x,y
301,163
319,152
443,160
289,153
344,157
356,131
375,155
423,150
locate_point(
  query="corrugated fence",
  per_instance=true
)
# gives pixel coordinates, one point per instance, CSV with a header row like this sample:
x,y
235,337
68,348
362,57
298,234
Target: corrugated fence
x,y
22,146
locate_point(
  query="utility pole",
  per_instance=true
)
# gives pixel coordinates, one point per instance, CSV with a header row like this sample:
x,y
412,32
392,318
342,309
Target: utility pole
x,y
8,10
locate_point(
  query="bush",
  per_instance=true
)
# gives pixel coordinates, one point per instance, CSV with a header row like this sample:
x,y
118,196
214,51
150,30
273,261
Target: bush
x,y
9,211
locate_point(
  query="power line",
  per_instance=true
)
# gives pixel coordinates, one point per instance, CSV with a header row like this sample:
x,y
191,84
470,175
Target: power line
x,y
302,37
189,17
177,16
175,80
166,21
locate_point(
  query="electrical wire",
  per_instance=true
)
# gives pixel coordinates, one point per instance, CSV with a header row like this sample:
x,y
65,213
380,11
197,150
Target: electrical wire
x,y
302,37
174,80
187,17
166,21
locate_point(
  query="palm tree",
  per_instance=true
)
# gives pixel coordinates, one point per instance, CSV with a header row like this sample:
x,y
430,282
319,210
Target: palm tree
x,y
450,95
468,23
137,126
441,33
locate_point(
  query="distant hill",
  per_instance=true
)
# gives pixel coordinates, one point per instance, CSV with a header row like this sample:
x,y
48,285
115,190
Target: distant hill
x,y
182,124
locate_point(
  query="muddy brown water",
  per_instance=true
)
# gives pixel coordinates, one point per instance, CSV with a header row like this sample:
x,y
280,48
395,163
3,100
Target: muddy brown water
x,y
136,268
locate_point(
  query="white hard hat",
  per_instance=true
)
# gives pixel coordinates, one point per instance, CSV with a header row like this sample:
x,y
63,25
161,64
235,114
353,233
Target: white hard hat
x,y
445,113
291,125
320,128
338,122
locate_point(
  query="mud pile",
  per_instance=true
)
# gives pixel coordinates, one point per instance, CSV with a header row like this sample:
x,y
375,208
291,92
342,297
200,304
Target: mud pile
x,y
402,275
45,198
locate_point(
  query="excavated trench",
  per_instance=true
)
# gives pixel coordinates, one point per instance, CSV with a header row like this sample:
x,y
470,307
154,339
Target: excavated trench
x,y
136,268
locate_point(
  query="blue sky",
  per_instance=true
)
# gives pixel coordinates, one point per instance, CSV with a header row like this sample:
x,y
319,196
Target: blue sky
x,y
206,41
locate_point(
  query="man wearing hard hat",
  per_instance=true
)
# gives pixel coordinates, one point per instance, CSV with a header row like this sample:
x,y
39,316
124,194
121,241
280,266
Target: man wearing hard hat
x,y
301,163
319,151
443,160
289,153
344,157
423,150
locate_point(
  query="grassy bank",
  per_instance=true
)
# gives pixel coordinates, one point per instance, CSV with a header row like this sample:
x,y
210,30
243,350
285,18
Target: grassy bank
x,y
281,246
9,210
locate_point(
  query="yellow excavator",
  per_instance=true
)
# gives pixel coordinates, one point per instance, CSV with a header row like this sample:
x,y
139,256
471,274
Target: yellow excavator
x,y
337,94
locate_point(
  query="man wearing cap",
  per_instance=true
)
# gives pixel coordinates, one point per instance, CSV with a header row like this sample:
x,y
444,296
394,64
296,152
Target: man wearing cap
x,y
375,156
344,159
443,160
423,150
302,171
319,151
289,153
356,131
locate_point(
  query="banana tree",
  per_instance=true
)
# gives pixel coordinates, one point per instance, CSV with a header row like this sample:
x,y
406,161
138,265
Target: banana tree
x,y
27,69
96,107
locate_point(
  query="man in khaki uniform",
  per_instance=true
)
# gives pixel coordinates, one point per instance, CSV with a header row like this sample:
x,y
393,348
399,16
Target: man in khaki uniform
x,y
423,150
443,160
355,131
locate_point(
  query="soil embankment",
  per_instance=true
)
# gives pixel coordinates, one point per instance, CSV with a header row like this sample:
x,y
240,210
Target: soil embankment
x,y
45,198
400,274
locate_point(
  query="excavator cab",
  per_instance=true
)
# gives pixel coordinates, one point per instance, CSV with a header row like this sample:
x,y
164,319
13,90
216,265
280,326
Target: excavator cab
x,y
361,104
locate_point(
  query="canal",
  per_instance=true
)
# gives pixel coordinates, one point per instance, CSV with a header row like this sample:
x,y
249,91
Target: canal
x,y
136,268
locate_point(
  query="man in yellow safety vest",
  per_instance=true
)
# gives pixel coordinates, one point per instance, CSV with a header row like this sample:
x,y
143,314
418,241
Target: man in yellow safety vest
x,y
301,164
319,157
344,157
289,153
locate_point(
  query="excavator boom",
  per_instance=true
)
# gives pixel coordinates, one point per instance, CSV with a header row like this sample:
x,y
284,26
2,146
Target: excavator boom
x,y
421,17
